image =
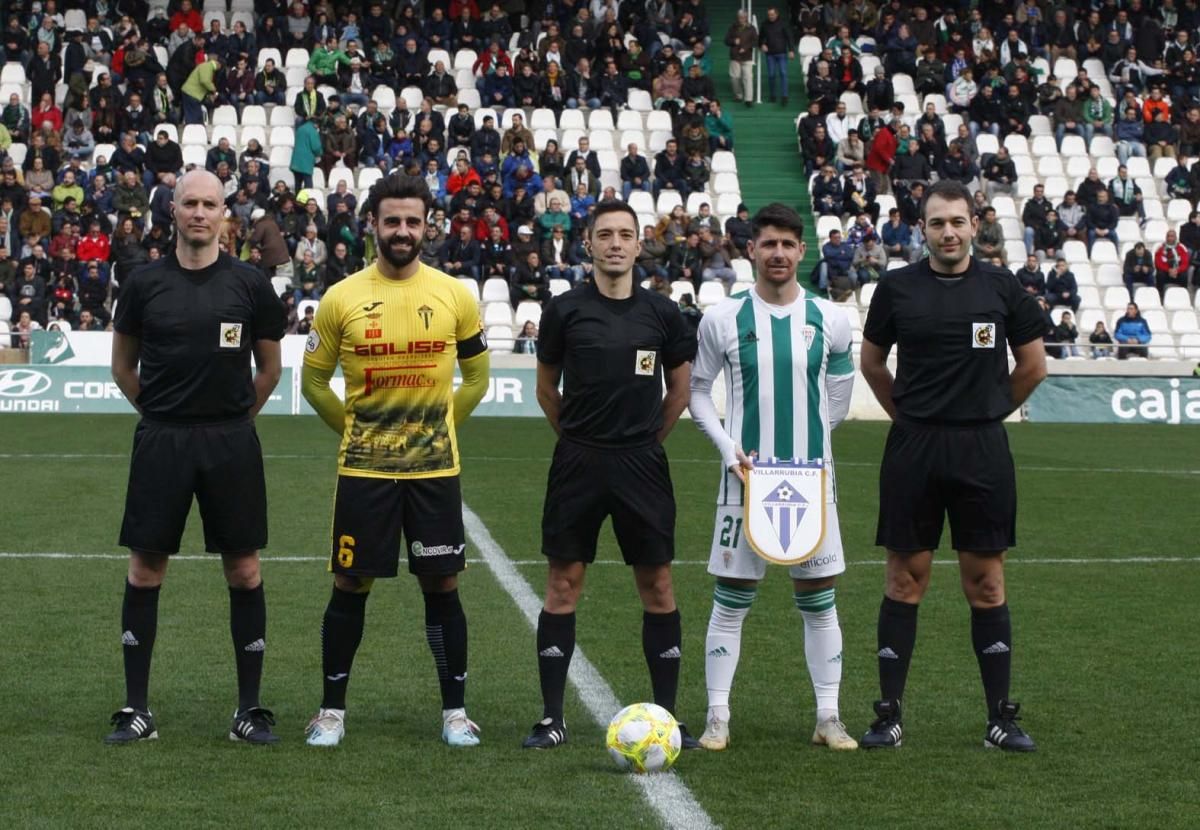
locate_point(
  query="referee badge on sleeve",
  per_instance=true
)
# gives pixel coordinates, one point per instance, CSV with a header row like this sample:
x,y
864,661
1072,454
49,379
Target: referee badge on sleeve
x,y
983,335
231,336
645,363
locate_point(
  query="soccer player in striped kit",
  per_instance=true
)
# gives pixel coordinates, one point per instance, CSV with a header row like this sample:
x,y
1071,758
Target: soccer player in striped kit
x,y
785,355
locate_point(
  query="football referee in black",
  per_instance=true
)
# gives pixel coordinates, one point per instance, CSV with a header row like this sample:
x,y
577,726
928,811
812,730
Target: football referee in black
x,y
953,320
613,344
191,320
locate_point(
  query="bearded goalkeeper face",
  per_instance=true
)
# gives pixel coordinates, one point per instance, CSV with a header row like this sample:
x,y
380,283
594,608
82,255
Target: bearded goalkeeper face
x,y
399,235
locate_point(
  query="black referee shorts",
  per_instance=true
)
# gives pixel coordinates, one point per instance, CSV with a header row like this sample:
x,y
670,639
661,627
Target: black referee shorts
x,y
371,514
219,463
587,484
931,471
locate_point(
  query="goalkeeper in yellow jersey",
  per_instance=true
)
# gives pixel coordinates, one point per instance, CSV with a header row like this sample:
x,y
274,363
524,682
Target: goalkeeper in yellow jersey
x,y
397,327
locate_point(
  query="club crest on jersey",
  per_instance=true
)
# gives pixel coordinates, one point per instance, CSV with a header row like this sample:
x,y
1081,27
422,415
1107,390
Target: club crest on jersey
x,y
231,336
374,330
810,334
645,363
983,335
426,314
785,509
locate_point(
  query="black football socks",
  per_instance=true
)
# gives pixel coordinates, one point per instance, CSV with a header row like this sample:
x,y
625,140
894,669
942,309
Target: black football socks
x,y
248,627
897,635
555,646
446,631
341,632
139,625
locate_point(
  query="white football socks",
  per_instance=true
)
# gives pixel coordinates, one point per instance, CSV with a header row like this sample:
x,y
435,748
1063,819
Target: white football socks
x,y
822,648
723,645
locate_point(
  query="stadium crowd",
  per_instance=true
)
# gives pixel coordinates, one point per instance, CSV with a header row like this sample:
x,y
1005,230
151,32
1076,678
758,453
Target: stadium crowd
x,y
103,100
1077,128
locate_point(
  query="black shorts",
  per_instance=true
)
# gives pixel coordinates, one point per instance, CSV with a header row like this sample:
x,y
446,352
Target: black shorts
x,y
370,514
930,471
219,463
587,484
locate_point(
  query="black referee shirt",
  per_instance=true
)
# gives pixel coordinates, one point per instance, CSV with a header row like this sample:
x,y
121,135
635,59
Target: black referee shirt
x,y
197,329
613,353
952,362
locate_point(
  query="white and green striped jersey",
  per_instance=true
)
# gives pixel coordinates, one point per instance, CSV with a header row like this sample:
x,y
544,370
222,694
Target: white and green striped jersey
x,y
788,375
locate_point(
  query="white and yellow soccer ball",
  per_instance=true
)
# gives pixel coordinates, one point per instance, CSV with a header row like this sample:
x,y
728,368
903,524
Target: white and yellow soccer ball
x,y
643,737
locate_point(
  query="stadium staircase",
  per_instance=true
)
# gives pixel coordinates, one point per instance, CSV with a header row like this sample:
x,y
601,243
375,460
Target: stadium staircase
x,y
769,169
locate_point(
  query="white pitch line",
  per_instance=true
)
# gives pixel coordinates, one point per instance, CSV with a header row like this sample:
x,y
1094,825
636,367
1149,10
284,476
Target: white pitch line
x,y
1022,468
666,793
525,563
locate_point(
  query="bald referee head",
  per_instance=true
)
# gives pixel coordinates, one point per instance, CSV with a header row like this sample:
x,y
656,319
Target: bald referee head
x,y
199,209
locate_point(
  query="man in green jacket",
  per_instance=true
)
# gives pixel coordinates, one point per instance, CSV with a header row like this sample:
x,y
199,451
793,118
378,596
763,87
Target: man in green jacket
x,y
323,63
1097,115
199,85
719,127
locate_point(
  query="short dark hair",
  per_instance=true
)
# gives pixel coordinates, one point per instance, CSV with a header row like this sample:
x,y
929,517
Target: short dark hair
x,y
398,186
950,190
613,207
777,215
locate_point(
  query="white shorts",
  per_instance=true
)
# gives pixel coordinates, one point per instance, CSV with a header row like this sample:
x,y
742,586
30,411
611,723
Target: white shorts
x,y
733,558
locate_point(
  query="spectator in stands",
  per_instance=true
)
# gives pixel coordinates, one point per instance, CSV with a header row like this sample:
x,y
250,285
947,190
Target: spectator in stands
x,y
1138,267
909,166
1030,277
1073,217
200,89
986,112
635,173
1132,333
1068,117
669,170
130,199
719,126
1126,195
1102,218
1016,112
897,238
1129,134
818,151
687,260
1101,341
461,254
1062,287
869,261
16,118
717,257
1171,262
822,88
555,215
989,239
742,38
859,194
307,150
496,257
851,151
556,257
526,341
776,41
826,193
1066,334
266,236
163,156
834,267
341,146
1097,115
47,113
652,259
529,281
1090,187
1160,138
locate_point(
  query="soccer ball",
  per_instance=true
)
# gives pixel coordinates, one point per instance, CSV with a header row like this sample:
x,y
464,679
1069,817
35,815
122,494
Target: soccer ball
x,y
643,737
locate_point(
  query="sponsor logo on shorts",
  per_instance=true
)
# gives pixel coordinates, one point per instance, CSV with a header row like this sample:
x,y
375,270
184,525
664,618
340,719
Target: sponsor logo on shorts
x,y
313,343
231,336
818,561
983,335
420,550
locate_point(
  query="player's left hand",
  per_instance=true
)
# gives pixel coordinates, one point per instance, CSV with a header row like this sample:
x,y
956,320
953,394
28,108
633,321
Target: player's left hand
x,y
745,462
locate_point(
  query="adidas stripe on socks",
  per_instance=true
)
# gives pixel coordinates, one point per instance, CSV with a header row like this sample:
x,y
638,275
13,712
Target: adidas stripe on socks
x,y
822,647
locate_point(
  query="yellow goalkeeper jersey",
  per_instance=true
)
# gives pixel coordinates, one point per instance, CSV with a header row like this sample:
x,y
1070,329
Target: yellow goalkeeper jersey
x,y
397,342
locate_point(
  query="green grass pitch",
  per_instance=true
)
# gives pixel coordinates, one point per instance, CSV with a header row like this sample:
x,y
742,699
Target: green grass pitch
x,y
1105,656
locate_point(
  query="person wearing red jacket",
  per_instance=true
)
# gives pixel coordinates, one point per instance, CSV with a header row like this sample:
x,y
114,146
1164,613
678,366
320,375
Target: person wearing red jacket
x,y
457,6
93,246
462,176
1171,262
188,15
882,154
483,225
489,60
